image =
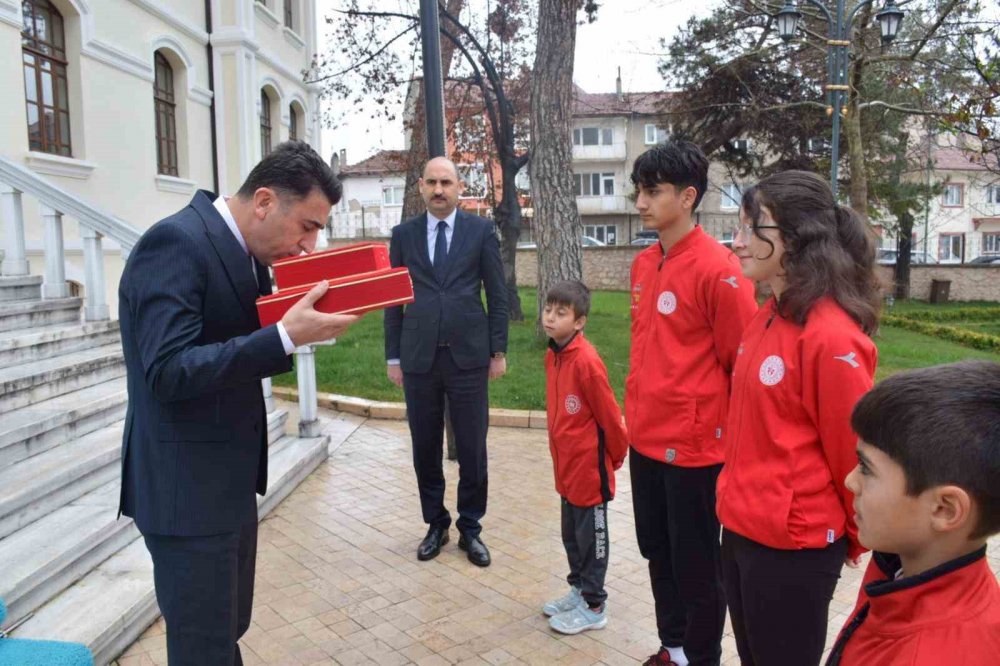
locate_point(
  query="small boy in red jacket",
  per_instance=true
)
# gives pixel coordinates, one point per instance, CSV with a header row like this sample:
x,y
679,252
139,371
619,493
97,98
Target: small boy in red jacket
x,y
588,443
926,499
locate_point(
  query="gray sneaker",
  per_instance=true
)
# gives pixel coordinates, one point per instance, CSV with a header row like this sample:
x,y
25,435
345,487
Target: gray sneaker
x,y
579,619
569,601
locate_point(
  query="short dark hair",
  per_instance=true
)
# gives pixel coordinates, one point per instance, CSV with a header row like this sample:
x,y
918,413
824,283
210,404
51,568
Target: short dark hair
x,y
942,426
679,163
293,168
571,293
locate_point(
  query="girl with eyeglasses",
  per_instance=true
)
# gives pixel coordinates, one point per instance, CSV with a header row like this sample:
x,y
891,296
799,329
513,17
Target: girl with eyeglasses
x,y
804,360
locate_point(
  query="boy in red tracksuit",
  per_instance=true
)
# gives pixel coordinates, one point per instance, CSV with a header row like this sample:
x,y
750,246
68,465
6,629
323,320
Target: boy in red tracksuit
x,y
690,304
926,499
588,443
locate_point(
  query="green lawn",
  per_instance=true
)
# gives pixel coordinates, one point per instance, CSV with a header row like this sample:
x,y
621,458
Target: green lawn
x,y
356,366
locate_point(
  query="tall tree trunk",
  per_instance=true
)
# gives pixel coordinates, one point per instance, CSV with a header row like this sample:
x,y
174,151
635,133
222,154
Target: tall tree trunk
x,y
507,216
413,204
852,121
904,245
557,220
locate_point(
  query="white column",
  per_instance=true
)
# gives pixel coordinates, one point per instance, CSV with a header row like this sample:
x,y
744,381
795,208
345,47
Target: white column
x,y
268,394
55,258
96,307
14,260
305,371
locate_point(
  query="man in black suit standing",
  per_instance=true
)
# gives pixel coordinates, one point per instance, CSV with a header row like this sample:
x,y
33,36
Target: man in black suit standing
x,y
445,344
195,444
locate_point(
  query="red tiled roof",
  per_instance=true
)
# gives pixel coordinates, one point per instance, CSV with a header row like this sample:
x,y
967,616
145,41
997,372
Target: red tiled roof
x,y
382,162
609,104
957,159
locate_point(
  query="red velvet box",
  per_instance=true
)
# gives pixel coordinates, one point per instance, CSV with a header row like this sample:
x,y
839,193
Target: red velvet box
x,y
354,294
330,264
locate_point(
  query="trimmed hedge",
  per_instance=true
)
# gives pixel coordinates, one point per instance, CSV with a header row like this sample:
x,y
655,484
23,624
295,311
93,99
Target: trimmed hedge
x,y
958,335
953,314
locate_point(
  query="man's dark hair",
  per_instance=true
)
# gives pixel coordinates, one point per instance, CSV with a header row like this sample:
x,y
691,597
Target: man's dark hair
x,y
293,169
570,293
942,426
679,163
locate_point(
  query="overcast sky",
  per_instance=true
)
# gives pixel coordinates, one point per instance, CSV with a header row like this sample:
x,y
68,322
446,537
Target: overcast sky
x,y
627,34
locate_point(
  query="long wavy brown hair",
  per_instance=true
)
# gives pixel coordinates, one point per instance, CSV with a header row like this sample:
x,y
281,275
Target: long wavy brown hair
x,y
829,250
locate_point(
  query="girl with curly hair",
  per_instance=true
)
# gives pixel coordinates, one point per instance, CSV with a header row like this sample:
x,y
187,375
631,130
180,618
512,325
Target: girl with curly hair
x,y
803,362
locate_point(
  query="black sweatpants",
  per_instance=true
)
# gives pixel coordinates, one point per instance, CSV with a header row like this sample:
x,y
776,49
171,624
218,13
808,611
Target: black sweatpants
x,y
779,599
585,536
678,533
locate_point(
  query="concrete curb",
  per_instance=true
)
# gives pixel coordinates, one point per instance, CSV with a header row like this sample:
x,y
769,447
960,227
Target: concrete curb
x,y
501,418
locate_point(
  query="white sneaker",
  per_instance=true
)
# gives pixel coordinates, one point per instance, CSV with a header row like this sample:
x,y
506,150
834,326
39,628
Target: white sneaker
x,y
569,601
579,619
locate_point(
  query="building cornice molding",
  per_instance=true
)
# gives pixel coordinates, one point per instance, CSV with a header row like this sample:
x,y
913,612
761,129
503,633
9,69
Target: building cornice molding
x,y
120,60
174,184
266,15
159,10
10,13
293,38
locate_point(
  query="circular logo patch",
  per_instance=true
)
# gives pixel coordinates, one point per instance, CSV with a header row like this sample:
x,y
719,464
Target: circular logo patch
x,y
667,303
572,404
772,370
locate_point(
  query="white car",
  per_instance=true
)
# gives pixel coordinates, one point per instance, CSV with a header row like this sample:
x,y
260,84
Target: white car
x,y
586,241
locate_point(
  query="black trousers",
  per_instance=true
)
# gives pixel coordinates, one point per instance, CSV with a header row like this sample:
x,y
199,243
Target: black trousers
x,y
468,403
204,586
779,599
678,533
585,537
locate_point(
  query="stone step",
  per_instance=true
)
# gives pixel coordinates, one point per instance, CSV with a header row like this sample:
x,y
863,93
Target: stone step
x,y
111,606
35,344
47,556
38,427
22,315
41,484
21,288
29,383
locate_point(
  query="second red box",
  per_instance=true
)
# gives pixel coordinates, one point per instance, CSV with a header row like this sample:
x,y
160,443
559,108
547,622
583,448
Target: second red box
x,y
330,264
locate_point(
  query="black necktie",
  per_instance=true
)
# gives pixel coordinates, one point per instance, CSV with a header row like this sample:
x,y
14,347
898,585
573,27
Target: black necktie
x,y
440,250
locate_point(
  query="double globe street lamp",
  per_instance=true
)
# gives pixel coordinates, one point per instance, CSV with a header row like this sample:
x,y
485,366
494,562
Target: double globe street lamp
x,y
838,45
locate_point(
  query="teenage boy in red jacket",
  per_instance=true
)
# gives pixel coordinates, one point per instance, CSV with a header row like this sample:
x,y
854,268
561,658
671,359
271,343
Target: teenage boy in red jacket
x,y
588,443
690,303
927,497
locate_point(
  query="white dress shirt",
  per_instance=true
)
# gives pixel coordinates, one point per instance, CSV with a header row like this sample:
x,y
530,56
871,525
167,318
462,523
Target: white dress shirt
x,y
227,215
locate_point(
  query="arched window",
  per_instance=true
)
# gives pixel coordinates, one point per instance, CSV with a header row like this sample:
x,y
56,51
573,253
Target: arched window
x,y
265,124
293,123
166,116
46,88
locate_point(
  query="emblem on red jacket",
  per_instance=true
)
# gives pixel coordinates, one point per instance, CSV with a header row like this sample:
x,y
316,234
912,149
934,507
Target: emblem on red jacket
x,y
772,370
667,303
572,404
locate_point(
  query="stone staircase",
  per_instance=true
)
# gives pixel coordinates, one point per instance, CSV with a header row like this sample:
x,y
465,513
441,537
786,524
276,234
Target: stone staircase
x,y
69,570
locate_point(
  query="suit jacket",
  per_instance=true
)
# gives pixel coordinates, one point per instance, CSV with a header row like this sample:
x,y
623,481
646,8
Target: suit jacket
x,y
195,442
450,310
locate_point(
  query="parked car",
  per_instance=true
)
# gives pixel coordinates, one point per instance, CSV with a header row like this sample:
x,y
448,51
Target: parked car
x,y
987,259
887,257
645,237
586,241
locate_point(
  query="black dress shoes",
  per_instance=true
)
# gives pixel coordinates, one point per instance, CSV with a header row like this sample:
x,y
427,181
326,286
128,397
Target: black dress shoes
x,y
431,545
475,549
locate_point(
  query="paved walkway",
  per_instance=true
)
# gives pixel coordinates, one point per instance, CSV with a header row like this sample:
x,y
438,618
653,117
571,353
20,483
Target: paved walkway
x,y
338,581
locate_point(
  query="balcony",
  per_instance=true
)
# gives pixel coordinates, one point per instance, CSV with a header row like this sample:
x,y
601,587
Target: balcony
x,y
603,205
612,153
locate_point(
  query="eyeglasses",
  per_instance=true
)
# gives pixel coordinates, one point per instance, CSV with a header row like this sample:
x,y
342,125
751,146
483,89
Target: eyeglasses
x,y
746,229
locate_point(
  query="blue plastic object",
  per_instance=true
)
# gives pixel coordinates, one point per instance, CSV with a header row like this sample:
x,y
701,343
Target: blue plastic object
x,y
21,652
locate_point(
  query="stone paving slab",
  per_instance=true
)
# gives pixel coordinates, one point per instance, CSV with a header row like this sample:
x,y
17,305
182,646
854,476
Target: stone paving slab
x,y
338,581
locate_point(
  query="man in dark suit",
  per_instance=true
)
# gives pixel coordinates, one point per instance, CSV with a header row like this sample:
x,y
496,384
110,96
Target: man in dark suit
x,y
195,444
445,344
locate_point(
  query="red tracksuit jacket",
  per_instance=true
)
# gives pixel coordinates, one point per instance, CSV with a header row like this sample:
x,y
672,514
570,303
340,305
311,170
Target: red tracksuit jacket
x,y
790,443
689,308
948,615
587,436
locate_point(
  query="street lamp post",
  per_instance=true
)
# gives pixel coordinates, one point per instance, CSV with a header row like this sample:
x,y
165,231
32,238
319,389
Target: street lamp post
x,y
838,43
430,39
